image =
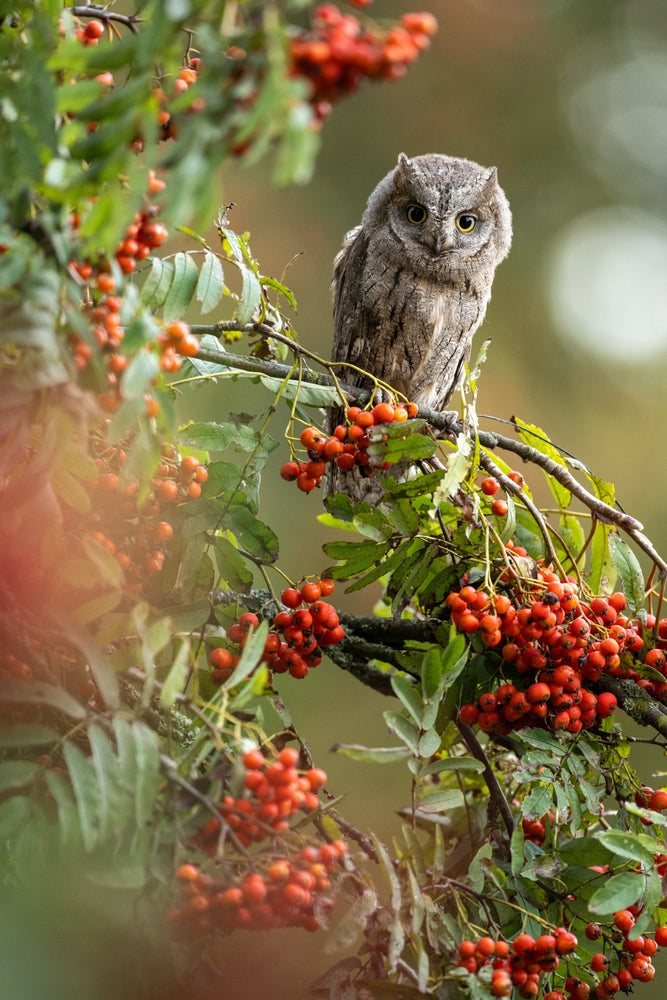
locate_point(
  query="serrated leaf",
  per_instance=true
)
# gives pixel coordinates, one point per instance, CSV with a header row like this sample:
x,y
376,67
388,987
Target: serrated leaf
x,y
373,525
441,800
395,449
41,693
307,394
406,691
601,575
617,892
624,845
71,491
114,806
254,535
627,566
250,298
182,289
14,814
16,773
536,438
372,755
232,566
86,792
537,802
211,283
148,772
404,729
429,743
156,286
68,814
26,734
451,764
173,683
253,649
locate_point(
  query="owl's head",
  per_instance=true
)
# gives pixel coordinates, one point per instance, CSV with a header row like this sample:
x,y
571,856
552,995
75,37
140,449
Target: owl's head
x,y
445,215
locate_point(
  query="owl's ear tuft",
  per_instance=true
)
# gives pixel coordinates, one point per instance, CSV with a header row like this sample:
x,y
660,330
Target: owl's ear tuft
x,y
489,183
405,167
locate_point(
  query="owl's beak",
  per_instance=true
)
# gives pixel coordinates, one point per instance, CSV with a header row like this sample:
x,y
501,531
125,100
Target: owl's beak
x,y
442,244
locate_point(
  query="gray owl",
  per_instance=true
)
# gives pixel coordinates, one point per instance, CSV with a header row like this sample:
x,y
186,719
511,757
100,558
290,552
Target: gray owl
x,y
411,283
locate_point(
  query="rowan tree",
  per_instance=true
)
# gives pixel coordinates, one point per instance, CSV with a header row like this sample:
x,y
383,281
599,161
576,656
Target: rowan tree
x,y
150,639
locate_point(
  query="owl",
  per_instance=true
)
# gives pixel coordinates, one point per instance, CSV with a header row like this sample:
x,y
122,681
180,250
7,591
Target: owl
x,y
411,283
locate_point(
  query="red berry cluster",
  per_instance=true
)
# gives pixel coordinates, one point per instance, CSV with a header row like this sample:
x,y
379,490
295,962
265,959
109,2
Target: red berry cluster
x,y
294,645
287,894
103,308
503,965
338,52
629,959
490,486
90,34
132,533
560,640
347,446
185,79
274,791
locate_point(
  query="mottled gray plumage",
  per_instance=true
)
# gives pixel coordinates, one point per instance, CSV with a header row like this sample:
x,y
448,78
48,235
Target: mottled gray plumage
x,y
410,286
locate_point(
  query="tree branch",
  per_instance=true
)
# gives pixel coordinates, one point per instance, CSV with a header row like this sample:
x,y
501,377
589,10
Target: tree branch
x,y
439,421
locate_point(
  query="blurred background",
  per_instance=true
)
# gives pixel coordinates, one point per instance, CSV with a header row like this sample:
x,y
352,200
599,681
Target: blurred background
x,y
568,98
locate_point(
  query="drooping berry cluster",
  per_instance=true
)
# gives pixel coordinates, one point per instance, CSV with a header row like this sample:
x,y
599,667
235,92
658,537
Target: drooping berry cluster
x,y
347,446
105,302
294,645
337,53
548,632
503,965
289,892
274,791
166,94
625,959
300,632
137,534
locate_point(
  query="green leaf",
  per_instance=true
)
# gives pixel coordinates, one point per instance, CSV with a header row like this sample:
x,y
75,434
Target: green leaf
x,y
211,283
173,683
68,814
373,525
429,743
536,438
441,800
86,792
157,284
253,650
26,734
148,772
451,764
182,287
16,773
627,566
70,490
404,729
14,814
109,570
617,892
372,755
251,296
256,537
625,845
431,672
408,694
231,565
114,805
400,445
355,556
41,693
601,575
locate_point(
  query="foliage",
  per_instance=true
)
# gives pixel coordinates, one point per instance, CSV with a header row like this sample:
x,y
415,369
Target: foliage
x,y
145,620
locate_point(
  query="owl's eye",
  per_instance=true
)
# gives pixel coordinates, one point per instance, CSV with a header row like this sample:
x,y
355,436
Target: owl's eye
x,y
416,214
465,222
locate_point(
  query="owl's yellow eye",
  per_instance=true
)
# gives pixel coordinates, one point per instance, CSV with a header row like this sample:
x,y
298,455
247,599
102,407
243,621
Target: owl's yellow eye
x,y
416,214
465,222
